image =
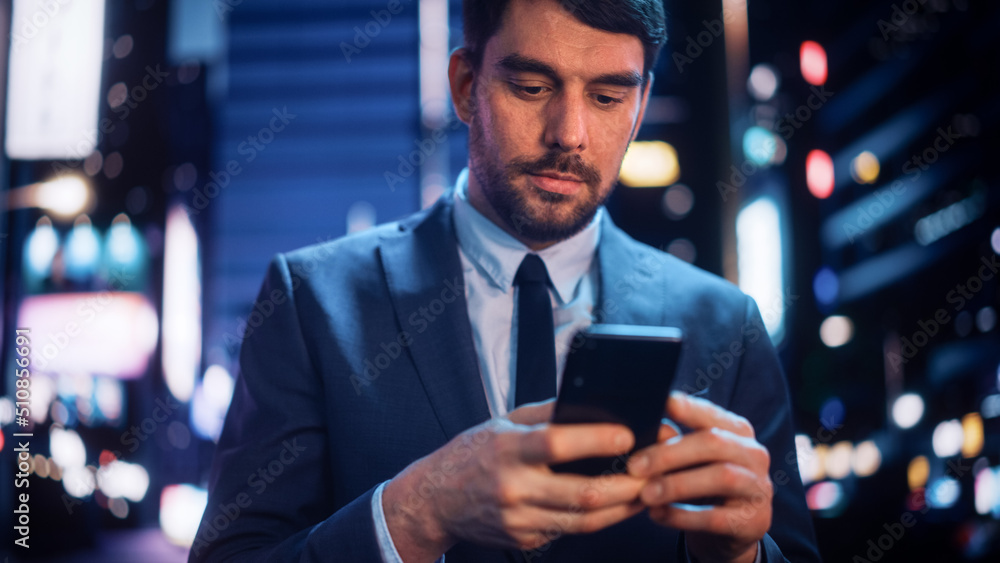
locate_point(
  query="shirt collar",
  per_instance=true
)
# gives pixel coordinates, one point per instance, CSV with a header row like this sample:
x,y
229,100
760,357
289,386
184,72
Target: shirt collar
x,y
498,255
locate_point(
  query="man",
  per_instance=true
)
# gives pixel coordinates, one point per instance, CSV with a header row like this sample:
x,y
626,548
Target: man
x,y
374,418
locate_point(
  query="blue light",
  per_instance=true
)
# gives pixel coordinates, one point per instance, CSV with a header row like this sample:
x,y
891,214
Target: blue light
x,y
826,286
123,246
126,250
831,414
41,248
82,250
759,145
943,493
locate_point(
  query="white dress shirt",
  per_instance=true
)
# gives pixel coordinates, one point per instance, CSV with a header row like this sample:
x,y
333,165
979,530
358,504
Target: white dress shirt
x,y
490,259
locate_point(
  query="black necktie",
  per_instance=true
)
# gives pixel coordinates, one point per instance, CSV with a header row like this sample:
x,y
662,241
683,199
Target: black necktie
x,y
536,347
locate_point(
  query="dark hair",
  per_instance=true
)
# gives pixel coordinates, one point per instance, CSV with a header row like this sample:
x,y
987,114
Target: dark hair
x,y
644,19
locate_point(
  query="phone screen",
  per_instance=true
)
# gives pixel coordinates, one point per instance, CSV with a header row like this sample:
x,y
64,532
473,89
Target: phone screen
x,y
620,374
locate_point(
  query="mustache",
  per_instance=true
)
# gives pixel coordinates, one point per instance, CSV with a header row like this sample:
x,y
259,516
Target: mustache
x,y
559,162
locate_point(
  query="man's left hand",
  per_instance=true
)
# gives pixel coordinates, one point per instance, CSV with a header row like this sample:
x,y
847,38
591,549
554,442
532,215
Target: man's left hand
x,y
719,459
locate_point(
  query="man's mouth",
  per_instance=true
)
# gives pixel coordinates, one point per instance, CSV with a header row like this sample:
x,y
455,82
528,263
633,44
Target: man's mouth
x,y
566,184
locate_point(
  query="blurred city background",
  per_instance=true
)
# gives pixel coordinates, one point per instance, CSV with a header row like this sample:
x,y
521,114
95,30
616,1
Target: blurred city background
x,y
831,158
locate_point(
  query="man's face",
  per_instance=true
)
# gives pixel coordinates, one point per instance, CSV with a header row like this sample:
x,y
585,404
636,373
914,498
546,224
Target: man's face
x,y
551,112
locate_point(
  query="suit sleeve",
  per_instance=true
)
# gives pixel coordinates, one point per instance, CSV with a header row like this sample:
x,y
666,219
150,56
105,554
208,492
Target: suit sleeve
x,y
761,395
270,493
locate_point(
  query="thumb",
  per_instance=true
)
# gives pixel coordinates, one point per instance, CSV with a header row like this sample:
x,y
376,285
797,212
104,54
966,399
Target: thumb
x,y
533,413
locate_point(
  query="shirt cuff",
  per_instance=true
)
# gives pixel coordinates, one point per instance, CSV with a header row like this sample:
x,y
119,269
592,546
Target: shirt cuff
x,y
385,545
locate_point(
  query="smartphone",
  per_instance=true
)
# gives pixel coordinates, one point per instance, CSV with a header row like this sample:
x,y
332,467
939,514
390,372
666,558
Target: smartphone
x,y
620,374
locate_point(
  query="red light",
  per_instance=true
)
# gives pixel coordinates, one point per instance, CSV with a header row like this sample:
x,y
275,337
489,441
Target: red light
x,y
812,61
819,174
106,457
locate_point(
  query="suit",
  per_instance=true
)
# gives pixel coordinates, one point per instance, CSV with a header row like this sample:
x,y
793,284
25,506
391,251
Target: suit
x,y
361,360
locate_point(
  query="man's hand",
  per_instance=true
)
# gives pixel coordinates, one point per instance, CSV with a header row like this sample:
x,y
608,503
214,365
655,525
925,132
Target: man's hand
x,y
719,459
492,486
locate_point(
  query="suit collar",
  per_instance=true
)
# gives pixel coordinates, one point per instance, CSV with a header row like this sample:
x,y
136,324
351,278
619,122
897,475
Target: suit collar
x,y
424,275
498,255
631,289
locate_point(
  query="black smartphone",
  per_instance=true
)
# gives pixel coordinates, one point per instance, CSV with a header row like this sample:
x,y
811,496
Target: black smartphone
x,y
620,374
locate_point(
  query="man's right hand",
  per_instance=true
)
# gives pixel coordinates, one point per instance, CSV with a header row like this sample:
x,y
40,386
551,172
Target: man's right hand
x,y
492,486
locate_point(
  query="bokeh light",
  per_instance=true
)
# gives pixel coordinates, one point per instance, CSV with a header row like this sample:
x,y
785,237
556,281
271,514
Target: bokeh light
x,y
865,168
948,437
763,82
819,174
650,164
908,410
812,63
867,458
835,331
917,472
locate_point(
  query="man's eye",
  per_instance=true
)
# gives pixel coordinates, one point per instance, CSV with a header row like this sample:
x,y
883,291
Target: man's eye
x,y
528,90
607,100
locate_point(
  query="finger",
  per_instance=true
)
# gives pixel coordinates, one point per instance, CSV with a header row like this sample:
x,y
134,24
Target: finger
x,y
668,430
529,521
725,480
533,413
723,521
559,443
577,492
697,413
699,448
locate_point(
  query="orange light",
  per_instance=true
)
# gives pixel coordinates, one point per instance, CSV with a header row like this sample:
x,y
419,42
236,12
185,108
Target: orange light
x,y
917,472
812,61
819,174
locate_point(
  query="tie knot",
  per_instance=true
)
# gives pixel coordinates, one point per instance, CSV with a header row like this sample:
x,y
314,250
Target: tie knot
x,y
532,270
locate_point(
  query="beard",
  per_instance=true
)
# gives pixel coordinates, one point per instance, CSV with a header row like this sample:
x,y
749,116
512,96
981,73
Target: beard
x,y
535,214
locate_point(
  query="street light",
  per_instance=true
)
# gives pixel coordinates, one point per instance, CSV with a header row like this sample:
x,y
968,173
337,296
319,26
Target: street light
x,y
64,196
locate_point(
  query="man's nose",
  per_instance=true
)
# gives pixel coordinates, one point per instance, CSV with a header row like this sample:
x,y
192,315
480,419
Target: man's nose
x,y
566,123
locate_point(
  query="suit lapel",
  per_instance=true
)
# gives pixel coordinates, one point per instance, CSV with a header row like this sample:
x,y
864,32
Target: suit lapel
x,y
631,289
424,275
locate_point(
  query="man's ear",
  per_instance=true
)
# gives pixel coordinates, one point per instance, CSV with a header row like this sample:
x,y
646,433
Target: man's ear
x,y
642,106
460,78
